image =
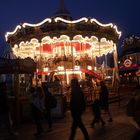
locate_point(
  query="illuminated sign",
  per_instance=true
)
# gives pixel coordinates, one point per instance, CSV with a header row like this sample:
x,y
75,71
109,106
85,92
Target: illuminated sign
x,y
127,63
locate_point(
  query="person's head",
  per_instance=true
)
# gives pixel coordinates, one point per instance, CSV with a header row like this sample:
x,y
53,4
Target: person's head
x,y
74,82
46,90
32,89
56,78
39,91
102,83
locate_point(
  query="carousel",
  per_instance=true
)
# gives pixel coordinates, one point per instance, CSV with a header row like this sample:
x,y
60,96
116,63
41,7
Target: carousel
x,y
65,47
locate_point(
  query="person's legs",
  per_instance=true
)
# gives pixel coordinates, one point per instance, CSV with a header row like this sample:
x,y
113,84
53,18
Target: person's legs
x,y
102,121
38,125
5,123
110,116
107,110
49,118
95,119
37,120
83,129
73,129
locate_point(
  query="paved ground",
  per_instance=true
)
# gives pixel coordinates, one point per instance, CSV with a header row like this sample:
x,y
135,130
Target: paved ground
x,y
122,128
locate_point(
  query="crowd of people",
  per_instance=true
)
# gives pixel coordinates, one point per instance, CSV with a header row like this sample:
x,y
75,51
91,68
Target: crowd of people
x,y
78,106
42,104
41,107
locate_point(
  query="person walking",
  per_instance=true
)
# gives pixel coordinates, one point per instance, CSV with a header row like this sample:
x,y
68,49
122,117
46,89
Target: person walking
x,y
38,108
48,106
77,106
136,93
6,123
104,95
133,110
96,111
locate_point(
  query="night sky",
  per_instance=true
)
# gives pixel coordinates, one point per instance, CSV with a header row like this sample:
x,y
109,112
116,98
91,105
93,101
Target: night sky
x,y
124,13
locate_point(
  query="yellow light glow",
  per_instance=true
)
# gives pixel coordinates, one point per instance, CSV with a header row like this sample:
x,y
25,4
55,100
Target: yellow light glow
x,y
28,48
120,33
70,72
77,67
68,21
38,24
95,68
63,20
106,25
89,67
46,69
60,68
103,25
10,33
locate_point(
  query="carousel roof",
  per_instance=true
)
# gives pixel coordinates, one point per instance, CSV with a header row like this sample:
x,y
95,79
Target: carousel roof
x,y
57,26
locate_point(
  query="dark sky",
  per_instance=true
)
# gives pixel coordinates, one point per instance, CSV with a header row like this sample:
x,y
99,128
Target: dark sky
x,y
124,13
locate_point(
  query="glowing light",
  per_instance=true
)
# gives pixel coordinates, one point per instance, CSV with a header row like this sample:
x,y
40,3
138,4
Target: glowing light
x,y
46,69
60,68
68,21
103,25
115,27
95,68
77,67
106,25
89,67
10,33
38,24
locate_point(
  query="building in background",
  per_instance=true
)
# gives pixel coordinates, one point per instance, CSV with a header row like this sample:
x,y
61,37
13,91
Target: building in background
x,y
129,64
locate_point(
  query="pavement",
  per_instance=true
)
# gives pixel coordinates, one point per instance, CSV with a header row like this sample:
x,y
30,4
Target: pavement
x,y
122,127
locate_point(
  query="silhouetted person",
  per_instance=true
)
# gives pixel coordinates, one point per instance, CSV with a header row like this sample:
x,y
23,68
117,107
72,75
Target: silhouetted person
x,y
104,95
48,97
136,96
134,108
5,116
77,106
97,112
38,108
57,83
56,79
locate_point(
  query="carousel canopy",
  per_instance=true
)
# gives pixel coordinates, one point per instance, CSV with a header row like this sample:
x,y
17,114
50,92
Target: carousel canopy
x,y
55,27
83,35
